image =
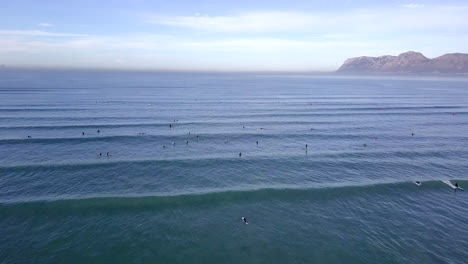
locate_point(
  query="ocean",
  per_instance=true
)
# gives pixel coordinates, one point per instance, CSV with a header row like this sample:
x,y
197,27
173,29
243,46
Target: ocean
x,y
128,167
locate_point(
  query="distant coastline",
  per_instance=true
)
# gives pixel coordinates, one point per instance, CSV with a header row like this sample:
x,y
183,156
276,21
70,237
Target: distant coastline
x,y
408,63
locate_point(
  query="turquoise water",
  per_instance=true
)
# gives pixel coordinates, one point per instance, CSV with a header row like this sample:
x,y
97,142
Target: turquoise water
x,y
347,198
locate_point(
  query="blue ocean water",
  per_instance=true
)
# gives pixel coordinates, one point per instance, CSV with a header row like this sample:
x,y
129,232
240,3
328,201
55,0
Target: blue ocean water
x,y
171,187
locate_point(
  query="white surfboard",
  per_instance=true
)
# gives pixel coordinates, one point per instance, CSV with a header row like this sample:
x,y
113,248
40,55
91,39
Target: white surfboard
x,y
450,184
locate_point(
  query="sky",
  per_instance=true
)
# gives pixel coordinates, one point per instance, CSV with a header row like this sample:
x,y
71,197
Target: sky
x,y
217,35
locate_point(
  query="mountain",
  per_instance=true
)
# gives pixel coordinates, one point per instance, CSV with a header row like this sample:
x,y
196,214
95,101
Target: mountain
x,y
408,62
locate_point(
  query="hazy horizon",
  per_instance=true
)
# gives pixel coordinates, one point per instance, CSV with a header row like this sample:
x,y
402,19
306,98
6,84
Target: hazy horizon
x,y
299,36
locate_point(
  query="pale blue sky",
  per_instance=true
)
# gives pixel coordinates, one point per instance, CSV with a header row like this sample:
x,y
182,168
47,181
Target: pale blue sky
x,y
224,35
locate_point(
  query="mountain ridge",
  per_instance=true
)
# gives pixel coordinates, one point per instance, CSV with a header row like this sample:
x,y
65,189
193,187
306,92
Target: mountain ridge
x,y
407,62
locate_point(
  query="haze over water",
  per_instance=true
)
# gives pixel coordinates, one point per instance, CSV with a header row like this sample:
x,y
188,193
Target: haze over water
x,y
348,198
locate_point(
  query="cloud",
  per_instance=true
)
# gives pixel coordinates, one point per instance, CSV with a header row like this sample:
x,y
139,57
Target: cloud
x,y
370,20
38,33
45,25
266,45
33,42
247,22
413,5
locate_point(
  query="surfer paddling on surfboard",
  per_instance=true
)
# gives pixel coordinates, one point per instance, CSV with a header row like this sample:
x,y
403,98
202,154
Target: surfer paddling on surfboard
x,y
245,220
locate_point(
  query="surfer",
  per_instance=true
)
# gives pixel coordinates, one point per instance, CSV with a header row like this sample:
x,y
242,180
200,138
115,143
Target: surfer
x,y
240,154
170,125
245,220
82,133
186,142
412,134
99,131
257,143
458,187
306,146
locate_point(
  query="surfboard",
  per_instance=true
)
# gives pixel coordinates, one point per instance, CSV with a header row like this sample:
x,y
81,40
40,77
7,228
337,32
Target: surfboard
x,y
449,184
418,183
452,186
245,222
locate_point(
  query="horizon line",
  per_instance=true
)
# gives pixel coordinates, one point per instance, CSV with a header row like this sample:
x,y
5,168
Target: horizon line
x,y
103,69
